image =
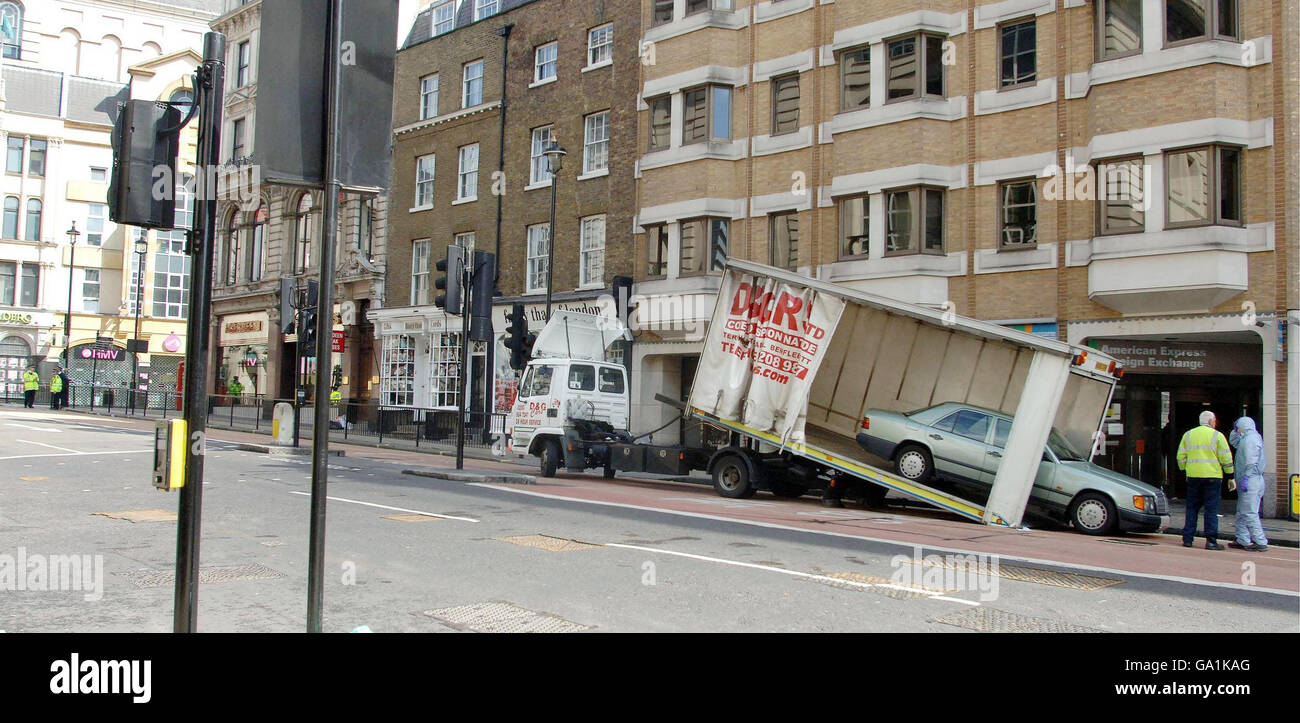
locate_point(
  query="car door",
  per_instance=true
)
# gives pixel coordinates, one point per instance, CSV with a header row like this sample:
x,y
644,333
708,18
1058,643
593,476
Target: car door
x,y
1046,466
958,445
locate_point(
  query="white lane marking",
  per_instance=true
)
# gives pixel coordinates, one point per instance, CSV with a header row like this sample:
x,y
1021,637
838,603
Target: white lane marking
x,y
388,507
77,454
1003,557
61,449
38,429
795,573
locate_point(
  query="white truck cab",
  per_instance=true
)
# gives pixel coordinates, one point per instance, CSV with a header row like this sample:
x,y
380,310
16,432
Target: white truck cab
x,y
569,391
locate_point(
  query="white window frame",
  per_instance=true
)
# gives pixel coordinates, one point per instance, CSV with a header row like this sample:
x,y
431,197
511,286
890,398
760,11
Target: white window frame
x,y
89,302
467,174
471,85
539,173
591,254
429,96
421,253
96,223
444,18
541,61
424,185
536,270
397,371
595,143
485,8
444,370
603,49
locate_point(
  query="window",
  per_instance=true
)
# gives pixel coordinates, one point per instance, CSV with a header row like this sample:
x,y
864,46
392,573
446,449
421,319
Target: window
x,y
699,6
855,218
11,217
444,369
663,12
1192,20
1018,222
98,175
424,182
237,140
611,381
30,283
545,62
464,240
967,423
473,84
783,235
1204,186
8,282
96,213
600,45
428,97
420,253
538,263
909,57
90,291
467,173
1001,431
914,219
591,265
582,378
537,383
704,245
33,224
1120,28
707,114
855,79
36,158
484,8
257,243
785,104
397,371
11,30
302,235
229,273
595,155
1019,54
241,71
541,167
444,18
656,250
1121,205
14,154
171,279
661,122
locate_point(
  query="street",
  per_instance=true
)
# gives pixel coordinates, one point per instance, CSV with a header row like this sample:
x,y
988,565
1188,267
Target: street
x,y
412,553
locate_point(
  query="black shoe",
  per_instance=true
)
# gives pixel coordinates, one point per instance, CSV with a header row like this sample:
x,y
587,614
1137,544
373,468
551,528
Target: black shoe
x,y
1239,546
832,502
1187,544
1258,548
1213,546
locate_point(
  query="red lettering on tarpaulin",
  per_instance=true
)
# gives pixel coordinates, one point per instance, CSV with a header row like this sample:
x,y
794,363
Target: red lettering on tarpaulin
x,y
787,310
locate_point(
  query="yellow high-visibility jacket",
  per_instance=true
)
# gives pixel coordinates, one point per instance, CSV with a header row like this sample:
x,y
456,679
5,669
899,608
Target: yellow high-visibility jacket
x,y
31,380
1204,452
56,383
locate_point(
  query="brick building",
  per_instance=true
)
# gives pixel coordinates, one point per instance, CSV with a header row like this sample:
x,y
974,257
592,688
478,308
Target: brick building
x,y
1121,173
571,74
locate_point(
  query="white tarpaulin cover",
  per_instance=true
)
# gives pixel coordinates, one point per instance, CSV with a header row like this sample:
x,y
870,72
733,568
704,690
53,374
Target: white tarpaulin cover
x,y
766,341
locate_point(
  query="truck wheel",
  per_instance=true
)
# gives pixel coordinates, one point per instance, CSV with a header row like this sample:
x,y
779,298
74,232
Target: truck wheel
x,y
913,462
1094,514
731,478
550,457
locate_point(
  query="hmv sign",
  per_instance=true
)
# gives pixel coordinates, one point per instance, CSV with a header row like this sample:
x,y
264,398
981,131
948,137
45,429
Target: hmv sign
x,y
101,354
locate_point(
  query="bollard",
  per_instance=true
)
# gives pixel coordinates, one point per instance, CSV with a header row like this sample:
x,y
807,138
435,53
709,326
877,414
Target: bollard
x,y
282,424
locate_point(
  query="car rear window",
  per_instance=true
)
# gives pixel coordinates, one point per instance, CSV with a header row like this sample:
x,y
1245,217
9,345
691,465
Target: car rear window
x,y
971,424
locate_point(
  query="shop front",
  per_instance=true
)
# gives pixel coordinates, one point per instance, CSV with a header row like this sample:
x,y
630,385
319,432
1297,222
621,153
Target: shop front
x,y
243,354
22,335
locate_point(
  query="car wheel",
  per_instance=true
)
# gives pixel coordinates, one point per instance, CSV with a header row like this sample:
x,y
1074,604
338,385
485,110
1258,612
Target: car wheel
x,y
913,462
550,458
1094,514
731,478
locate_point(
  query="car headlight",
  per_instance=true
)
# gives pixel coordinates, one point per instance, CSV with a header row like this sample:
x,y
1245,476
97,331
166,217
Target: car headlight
x,y
1145,503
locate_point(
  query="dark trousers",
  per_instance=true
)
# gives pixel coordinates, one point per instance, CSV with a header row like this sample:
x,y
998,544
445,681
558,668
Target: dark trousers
x,y
29,398
54,399
1203,492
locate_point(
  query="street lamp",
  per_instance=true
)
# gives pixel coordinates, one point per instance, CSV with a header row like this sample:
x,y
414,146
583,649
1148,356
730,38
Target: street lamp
x,y
555,154
141,248
73,233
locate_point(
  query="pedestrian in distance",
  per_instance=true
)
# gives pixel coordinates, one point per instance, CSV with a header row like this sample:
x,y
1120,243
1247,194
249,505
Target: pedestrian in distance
x,y
1204,455
56,389
66,385
235,390
31,382
1249,466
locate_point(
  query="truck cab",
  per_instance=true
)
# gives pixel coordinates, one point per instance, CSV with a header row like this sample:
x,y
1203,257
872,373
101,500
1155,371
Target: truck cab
x,y
570,395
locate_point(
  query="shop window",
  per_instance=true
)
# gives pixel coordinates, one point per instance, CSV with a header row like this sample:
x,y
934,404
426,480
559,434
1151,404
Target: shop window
x,y
397,378
444,370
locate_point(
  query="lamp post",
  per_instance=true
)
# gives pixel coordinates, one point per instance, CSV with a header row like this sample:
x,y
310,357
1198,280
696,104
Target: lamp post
x,y
141,248
73,233
555,154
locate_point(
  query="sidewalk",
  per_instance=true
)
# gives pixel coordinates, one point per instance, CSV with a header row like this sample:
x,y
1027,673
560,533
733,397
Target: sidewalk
x,y
1283,533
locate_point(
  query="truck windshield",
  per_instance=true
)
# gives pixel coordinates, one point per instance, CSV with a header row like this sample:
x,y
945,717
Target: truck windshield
x,y
1062,448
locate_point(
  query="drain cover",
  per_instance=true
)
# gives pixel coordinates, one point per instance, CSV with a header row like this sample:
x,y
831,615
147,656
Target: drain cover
x,y
228,573
141,515
911,592
990,620
548,543
1070,580
499,617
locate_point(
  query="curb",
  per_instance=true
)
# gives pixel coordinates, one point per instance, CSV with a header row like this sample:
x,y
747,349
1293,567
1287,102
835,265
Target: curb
x,y
283,451
1199,534
504,478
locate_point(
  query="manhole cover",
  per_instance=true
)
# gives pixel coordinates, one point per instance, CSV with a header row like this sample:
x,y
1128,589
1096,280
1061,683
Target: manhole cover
x,y
499,617
228,573
991,620
409,518
141,515
881,585
548,543
1070,580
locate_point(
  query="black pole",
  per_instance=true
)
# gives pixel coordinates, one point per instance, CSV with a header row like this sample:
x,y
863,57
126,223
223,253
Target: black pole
x,y
467,272
67,318
135,354
211,87
504,32
550,241
298,354
324,327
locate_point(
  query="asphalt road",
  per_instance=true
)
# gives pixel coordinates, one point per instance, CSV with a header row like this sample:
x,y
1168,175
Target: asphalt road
x,y
407,553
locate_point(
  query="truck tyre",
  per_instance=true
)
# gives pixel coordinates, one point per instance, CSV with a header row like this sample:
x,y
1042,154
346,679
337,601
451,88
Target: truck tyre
x,y
1093,514
549,457
914,463
731,478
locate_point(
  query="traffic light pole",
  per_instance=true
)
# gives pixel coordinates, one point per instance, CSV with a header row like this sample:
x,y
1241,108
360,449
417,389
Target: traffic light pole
x,y
466,272
211,86
324,326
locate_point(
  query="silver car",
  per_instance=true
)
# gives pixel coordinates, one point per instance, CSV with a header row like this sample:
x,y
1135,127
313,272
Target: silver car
x,y
963,444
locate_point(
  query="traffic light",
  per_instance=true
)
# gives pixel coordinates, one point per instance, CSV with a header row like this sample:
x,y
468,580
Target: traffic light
x,y
482,285
287,305
313,294
307,334
622,290
450,269
518,340
146,142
